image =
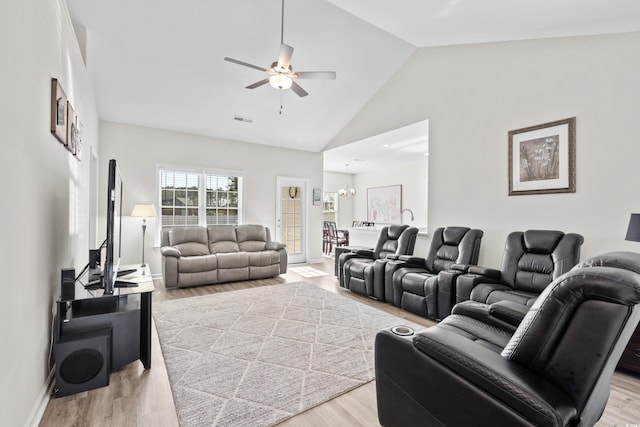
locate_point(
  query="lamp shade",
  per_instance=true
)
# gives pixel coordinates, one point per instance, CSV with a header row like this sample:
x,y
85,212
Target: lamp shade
x,y
633,232
146,211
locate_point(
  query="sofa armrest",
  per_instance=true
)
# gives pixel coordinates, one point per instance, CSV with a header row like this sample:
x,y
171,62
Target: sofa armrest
x,y
170,251
274,246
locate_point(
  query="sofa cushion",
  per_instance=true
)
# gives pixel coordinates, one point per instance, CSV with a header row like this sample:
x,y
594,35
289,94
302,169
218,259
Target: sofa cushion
x,y
251,237
264,258
222,239
197,264
233,260
190,241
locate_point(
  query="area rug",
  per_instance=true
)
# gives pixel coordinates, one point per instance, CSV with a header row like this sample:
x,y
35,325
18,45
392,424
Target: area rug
x,y
307,271
256,357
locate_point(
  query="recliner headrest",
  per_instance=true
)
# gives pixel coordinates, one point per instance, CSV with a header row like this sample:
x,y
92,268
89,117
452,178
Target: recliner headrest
x,y
542,241
395,230
453,235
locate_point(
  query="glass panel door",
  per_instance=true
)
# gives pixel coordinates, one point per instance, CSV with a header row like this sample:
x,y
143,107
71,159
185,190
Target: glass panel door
x,y
291,218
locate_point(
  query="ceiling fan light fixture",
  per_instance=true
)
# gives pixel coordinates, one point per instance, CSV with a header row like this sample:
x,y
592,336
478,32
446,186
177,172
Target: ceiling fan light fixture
x,y
280,81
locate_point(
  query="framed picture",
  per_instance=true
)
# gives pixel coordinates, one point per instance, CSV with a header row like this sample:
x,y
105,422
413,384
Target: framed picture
x,y
384,204
58,112
542,158
317,197
79,138
72,129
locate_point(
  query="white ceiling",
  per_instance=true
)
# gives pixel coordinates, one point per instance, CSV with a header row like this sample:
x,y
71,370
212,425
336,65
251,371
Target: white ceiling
x,y
159,63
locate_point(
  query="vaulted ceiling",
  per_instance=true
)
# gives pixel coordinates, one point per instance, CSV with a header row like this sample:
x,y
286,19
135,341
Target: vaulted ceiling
x,y
159,63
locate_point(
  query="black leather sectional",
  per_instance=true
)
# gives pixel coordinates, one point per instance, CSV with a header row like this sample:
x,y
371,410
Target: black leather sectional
x,y
432,286
554,368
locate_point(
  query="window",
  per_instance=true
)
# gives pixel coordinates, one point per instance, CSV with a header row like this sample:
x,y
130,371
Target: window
x,y
329,206
196,197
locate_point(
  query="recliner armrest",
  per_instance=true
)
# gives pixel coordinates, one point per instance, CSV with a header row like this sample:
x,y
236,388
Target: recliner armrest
x,y
490,273
482,312
509,311
461,267
170,251
413,260
365,253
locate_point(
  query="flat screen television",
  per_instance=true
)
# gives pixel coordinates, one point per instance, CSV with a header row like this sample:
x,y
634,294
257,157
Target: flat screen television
x,y
113,243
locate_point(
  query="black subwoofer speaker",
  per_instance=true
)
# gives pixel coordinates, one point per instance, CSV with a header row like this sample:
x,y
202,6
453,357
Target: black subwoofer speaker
x,y
82,361
68,284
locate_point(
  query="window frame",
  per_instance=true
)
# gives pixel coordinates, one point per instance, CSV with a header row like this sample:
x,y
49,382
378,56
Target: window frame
x,y
202,173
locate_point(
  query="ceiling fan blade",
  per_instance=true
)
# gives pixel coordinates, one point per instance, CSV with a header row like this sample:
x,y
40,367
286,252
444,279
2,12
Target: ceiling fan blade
x,y
258,84
315,74
246,64
298,90
284,58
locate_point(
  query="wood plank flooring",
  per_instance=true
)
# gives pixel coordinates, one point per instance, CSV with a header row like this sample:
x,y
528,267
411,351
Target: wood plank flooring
x,y
136,397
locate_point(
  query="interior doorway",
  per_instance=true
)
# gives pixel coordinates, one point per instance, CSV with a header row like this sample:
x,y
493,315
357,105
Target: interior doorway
x,y
291,217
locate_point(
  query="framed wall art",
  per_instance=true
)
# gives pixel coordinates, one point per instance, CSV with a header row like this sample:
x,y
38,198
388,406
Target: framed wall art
x,y
542,158
384,204
72,129
317,195
58,112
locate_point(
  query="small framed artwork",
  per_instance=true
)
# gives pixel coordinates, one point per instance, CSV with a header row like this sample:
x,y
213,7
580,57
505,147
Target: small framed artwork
x,y
317,196
72,129
542,158
384,204
58,112
79,139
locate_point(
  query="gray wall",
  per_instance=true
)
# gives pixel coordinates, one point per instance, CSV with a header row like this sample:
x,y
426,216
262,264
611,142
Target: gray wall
x,y
474,94
45,207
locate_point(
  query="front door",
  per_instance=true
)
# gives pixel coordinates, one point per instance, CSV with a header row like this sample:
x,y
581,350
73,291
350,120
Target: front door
x,y
291,217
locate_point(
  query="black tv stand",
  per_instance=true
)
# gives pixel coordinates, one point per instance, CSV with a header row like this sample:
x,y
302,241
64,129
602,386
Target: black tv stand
x,y
127,312
121,273
125,284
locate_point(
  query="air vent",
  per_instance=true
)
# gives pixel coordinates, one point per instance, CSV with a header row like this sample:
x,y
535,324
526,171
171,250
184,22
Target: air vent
x,y
242,119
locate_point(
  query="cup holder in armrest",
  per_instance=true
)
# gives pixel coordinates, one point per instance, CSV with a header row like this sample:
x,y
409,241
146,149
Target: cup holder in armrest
x,y
403,331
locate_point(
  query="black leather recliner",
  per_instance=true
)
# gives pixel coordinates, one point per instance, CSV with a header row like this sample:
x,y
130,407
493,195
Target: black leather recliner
x,y
414,284
532,259
555,370
356,268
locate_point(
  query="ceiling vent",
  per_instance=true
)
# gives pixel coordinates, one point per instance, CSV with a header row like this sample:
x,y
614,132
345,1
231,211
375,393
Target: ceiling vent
x,y
242,119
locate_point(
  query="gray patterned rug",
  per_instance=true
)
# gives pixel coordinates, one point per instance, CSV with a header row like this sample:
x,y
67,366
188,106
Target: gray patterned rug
x,y
256,357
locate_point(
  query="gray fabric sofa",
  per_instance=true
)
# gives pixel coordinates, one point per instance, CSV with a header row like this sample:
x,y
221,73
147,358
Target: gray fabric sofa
x,y
195,255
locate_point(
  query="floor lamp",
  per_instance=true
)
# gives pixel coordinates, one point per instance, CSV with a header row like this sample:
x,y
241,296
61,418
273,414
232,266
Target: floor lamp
x,y
144,211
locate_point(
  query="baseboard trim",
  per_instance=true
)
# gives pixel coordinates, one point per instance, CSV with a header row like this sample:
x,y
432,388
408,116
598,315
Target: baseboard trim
x,y
41,402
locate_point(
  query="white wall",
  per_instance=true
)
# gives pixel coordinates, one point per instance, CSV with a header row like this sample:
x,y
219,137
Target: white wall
x,y
413,179
138,150
412,176
474,94
333,181
45,213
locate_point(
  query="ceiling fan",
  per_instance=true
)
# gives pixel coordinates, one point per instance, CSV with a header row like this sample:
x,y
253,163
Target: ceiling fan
x,y
281,74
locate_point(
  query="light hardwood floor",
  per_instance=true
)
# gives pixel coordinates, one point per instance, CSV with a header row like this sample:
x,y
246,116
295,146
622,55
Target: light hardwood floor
x,y
138,397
